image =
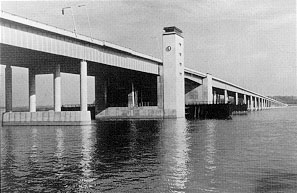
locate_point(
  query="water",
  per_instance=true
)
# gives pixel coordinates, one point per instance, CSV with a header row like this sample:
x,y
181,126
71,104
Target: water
x,y
252,153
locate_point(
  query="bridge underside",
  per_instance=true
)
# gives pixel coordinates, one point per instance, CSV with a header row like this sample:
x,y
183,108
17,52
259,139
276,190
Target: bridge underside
x,y
119,92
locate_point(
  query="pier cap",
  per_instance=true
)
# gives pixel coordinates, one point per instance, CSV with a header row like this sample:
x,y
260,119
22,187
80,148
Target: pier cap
x,y
173,30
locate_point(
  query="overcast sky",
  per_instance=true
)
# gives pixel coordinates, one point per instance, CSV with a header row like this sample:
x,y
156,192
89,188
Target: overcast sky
x,y
251,43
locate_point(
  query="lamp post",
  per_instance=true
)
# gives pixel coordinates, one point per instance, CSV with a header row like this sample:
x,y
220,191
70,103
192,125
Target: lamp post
x,y
88,20
63,13
73,19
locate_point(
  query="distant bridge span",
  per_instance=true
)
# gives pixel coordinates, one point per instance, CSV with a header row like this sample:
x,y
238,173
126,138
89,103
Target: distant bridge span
x,y
128,84
226,89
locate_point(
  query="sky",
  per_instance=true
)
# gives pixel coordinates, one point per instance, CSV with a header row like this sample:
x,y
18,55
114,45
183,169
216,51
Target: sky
x,y
250,43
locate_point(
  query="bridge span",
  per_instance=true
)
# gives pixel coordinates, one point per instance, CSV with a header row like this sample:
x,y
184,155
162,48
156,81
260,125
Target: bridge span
x,y
128,84
218,91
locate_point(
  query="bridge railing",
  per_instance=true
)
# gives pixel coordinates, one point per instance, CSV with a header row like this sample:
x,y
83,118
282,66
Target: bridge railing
x,y
140,104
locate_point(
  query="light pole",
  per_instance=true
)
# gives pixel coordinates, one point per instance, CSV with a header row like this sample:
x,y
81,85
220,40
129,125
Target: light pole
x,y
74,25
88,20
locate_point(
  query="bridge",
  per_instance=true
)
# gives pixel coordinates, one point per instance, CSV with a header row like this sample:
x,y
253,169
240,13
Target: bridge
x,y
218,91
128,84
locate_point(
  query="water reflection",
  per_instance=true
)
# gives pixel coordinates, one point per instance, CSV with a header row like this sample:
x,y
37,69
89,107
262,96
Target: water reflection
x,y
176,157
34,148
126,155
210,152
59,166
87,151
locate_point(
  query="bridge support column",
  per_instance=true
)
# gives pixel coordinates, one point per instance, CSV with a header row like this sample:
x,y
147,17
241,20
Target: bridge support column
x,y
252,104
214,97
132,102
100,93
207,89
32,91
83,86
8,88
244,99
266,104
173,73
226,96
218,98
160,88
248,102
236,98
57,88
259,104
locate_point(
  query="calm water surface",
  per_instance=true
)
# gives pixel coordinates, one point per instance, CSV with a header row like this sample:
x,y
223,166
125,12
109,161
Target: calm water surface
x,y
252,153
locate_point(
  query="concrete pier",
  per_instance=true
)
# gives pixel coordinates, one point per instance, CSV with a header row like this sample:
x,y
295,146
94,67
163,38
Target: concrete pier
x,y
32,91
83,86
47,118
236,98
173,73
252,103
207,89
57,89
226,96
8,88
